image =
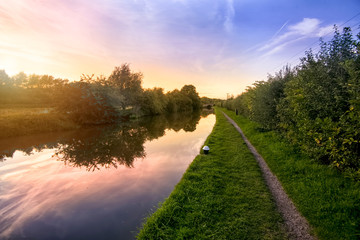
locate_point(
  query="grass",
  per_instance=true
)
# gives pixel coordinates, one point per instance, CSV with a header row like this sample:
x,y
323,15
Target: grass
x,y
329,200
221,196
24,121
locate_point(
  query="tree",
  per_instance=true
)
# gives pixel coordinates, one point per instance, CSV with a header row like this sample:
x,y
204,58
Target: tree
x,y
84,105
33,81
316,105
190,92
19,79
127,83
320,111
154,101
46,81
178,102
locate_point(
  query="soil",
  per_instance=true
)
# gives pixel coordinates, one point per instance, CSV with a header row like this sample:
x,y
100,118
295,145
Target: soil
x,y
296,225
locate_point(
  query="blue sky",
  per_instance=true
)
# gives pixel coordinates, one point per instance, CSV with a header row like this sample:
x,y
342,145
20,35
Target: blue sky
x,y
219,46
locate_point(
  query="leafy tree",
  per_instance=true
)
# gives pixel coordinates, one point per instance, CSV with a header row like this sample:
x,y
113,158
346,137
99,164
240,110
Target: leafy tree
x,y
190,92
243,103
316,105
33,81
127,83
96,100
19,79
344,143
83,105
154,101
317,97
264,98
178,102
46,81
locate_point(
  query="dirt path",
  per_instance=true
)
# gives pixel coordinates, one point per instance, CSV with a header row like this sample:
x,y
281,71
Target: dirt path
x,y
297,226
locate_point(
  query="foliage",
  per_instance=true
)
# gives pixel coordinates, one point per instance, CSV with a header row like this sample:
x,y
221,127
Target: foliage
x,y
154,101
83,105
314,104
127,84
178,102
318,101
190,92
95,100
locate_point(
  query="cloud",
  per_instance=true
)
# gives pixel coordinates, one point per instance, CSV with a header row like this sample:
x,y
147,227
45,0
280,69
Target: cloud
x,y
181,33
307,28
278,31
281,47
229,15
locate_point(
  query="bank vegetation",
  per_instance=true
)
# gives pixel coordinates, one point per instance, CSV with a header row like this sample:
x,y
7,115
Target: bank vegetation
x,y
316,104
35,103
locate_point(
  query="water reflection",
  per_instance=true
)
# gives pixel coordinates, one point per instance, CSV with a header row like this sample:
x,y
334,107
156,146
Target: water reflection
x,y
42,198
109,146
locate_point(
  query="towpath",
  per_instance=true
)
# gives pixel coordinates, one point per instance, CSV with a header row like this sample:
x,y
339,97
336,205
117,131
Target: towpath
x,y
297,226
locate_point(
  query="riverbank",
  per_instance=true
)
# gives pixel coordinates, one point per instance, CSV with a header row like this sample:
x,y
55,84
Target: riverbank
x,y
25,121
221,196
328,200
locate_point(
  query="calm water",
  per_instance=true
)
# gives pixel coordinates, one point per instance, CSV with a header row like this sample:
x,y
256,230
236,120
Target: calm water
x,y
97,183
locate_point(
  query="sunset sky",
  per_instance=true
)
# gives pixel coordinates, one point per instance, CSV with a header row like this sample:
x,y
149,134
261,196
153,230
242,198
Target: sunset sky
x,y
220,46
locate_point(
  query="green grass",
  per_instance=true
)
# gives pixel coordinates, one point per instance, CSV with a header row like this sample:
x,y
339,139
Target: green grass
x,y
24,121
221,196
329,200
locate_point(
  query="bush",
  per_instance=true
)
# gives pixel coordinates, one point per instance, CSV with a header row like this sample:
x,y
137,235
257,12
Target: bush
x,y
316,105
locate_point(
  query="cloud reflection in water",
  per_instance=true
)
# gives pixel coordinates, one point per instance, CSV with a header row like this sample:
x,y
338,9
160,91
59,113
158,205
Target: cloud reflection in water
x,y
88,197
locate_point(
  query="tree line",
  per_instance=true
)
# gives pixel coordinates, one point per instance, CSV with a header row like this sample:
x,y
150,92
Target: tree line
x,y
316,104
96,100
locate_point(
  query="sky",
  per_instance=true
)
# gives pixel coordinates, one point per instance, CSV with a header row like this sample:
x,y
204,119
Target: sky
x,y
219,46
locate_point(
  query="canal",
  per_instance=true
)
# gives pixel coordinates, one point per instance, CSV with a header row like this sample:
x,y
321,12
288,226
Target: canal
x,y
95,183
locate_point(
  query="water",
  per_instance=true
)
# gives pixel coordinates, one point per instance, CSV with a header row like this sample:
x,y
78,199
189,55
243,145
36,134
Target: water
x,y
97,183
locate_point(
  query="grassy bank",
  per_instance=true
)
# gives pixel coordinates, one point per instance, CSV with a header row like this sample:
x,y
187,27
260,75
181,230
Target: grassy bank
x,y
24,121
221,196
329,201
